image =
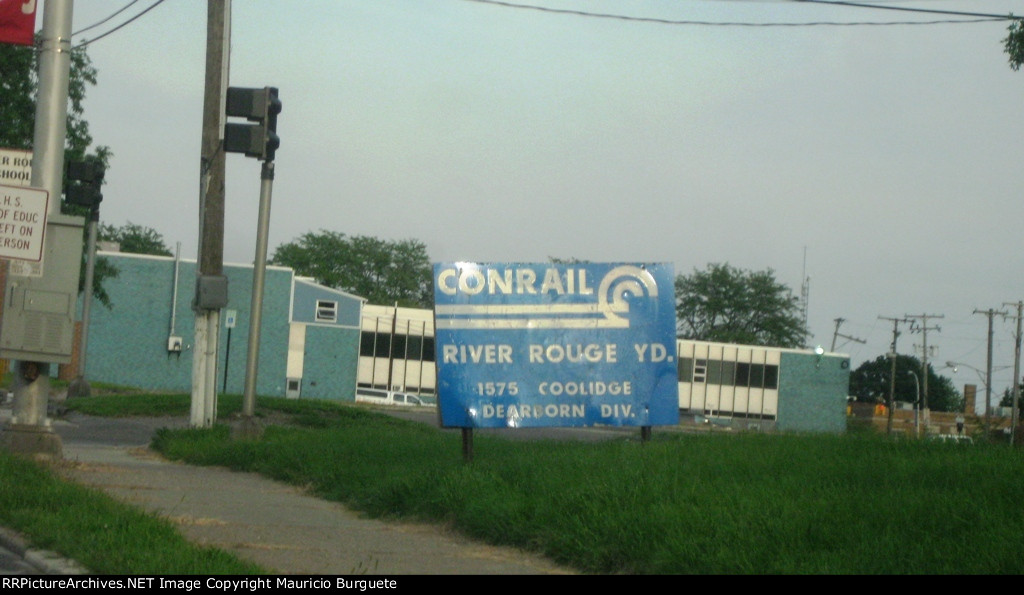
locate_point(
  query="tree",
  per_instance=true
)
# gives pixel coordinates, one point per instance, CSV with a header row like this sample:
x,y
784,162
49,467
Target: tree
x,y
870,383
728,305
384,272
1013,44
1007,401
19,86
134,238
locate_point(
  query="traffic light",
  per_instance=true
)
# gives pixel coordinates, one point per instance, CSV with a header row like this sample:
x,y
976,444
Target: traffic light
x,y
261,106
84,180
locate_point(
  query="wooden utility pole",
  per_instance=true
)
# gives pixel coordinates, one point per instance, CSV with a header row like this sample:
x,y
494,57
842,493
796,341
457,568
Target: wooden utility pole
x,y
923,329
1016,373
892,375
837,334
211,285
988,363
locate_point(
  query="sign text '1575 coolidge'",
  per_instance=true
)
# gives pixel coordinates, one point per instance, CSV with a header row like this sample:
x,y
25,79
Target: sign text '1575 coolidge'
x,y
532,345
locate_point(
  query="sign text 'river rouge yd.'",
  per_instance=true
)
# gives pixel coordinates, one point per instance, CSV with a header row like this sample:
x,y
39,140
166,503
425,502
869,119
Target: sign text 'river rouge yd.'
x,y
530,345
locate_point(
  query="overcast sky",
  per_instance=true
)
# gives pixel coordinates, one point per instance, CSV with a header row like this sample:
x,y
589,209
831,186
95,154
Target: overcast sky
x,y
880,163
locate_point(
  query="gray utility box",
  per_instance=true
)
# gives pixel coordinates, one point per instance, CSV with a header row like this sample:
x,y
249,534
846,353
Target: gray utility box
x,y
38,322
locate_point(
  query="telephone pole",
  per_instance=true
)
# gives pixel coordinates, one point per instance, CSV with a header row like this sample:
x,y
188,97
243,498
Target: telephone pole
x,y
837,334
923,329
211,283
892,358
988,363
1016,373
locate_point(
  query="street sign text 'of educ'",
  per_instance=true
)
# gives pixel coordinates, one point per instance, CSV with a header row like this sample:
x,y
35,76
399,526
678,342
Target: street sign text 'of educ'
x,y
545,345
22,222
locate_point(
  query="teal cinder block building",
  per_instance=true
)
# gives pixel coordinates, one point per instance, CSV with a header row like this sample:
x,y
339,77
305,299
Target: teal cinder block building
x,y
763,388
309,337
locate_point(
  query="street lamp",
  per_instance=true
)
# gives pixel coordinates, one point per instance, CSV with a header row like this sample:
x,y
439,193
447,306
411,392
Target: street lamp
x,y
986,381
917,401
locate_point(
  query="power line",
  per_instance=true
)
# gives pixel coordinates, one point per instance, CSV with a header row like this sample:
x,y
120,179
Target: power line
x,y
121,26
982,18
97,24
908,9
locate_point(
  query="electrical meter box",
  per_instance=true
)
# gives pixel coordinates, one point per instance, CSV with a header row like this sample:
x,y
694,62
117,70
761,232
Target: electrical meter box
x,y
38,321
211,292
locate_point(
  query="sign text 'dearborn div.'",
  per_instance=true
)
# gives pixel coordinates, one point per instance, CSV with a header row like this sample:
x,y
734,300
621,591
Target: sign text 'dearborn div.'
x,y
530,345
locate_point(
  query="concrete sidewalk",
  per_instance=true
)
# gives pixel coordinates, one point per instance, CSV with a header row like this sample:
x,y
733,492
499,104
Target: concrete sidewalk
x,y
277,526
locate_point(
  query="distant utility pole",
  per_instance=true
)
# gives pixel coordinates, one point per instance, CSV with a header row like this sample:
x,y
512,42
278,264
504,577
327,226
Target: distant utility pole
x,y
211,284
837,334
923,329
805,292
988,363
892,358
1016,372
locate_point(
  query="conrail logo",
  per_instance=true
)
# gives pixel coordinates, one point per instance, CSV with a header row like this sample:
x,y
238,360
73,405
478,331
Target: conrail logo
x,y
607,308
474,281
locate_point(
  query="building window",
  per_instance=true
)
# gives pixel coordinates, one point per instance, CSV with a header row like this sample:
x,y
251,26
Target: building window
x,y
715,372
771,377
742,374
685,367
729,373
326,311
756,375
700,370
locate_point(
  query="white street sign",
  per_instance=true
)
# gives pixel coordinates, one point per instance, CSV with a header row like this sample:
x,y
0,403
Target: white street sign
x,y
15,167
22,222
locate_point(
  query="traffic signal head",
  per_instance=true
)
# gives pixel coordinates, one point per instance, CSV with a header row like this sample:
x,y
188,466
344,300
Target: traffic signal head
x,y
84,180
261,106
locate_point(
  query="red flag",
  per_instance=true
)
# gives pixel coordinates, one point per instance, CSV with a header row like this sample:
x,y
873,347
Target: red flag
x,y
17,21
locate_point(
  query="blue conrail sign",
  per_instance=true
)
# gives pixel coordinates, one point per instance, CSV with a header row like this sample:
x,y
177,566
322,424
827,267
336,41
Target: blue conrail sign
x,y
540,345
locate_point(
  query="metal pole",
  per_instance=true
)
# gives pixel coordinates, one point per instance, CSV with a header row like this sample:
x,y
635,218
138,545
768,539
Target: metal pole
x,y
227,357
249,424
391,348
80,386
30,430
917,405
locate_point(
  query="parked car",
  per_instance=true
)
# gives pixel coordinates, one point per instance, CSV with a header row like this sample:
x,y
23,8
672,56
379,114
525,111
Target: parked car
x,y
389,397
952,438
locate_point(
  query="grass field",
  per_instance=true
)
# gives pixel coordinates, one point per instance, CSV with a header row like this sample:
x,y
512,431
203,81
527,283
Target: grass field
x,y
722,503
100,533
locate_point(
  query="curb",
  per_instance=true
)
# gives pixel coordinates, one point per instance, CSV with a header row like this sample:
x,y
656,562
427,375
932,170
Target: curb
x,y
44,561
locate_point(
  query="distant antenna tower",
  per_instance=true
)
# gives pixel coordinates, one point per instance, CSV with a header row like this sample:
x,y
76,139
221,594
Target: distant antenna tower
x,y
805,291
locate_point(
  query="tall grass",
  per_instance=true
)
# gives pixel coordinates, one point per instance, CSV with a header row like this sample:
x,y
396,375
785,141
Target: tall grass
x,y
679,503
